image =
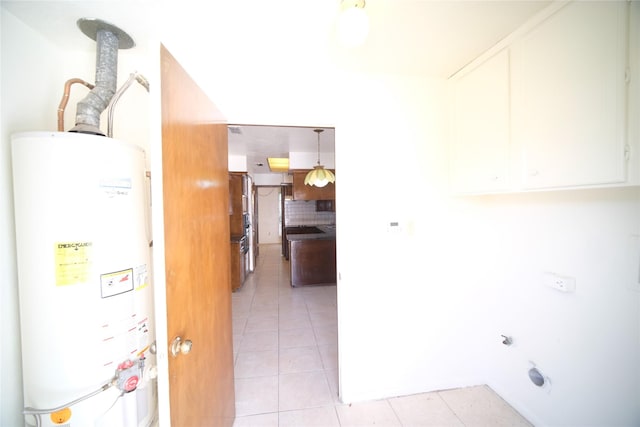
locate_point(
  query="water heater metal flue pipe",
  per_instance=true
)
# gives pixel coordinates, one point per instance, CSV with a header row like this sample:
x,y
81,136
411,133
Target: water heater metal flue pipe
x,y
109,39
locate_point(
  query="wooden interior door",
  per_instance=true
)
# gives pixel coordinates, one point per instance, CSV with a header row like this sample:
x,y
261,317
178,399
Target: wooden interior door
x,y
196,222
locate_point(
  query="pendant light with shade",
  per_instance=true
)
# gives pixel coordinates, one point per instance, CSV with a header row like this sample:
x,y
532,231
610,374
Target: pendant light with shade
x,y
319,176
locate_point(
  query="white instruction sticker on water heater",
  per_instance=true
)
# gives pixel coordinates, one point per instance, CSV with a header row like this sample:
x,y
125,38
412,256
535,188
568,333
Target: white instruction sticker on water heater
x,y
141,276
116,283
114,187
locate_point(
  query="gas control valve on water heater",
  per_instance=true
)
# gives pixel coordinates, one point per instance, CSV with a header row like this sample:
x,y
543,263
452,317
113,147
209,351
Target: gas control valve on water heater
x,y
83,250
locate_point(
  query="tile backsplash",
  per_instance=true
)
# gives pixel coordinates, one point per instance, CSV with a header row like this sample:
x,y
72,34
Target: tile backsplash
x,y
303,212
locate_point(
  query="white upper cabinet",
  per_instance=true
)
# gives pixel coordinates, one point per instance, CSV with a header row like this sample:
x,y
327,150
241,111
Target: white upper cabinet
x,y
548,108
568,99
480,149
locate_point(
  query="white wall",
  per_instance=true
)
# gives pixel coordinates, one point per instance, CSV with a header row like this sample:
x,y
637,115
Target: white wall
x,y
237,163
20,87
271,178
5,290
586,342
405,324
268,215
302,160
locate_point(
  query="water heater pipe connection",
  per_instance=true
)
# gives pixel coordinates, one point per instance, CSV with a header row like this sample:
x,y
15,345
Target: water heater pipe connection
x,y
126,379
38,412
135,76
108,39
65,99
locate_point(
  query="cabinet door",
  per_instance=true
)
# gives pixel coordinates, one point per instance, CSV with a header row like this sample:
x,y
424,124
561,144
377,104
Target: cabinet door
x,y
236,201
480,157
307,192
235,272
568,79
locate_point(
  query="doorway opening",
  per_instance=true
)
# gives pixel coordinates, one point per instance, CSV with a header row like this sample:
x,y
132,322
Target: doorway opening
x,y
285,337
250,147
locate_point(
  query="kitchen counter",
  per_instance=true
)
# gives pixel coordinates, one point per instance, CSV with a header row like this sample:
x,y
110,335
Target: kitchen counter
x,y
325,232
312,255
306,232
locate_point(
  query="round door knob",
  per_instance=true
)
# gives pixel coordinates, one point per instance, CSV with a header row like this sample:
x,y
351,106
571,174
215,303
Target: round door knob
x,y
180,346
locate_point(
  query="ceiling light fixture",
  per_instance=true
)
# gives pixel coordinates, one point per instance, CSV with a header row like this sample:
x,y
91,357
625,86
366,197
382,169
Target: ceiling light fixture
x,y
278,164
319,176
353,23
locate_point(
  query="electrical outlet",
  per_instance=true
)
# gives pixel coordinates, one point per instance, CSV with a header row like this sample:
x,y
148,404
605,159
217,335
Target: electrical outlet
x,y
560,283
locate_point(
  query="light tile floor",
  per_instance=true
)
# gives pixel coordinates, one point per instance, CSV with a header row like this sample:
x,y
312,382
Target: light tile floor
x,y
286,365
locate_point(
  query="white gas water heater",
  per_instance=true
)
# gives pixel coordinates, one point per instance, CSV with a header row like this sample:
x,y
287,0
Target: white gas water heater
x,y
83,248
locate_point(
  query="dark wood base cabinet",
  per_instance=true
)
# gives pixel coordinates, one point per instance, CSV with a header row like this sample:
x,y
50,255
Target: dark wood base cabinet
x,y
313,262
237,266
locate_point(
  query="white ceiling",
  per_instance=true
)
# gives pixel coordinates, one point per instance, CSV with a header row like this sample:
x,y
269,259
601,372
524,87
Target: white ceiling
x,y
260,142
431,38
56,19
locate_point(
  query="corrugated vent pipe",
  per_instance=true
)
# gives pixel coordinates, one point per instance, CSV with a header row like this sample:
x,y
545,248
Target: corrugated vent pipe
x,y
109,39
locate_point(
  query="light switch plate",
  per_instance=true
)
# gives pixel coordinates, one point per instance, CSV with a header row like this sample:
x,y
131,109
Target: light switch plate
x,y
394,227
560,283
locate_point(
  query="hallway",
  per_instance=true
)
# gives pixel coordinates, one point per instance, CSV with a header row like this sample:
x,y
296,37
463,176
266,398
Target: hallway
x,y
286,364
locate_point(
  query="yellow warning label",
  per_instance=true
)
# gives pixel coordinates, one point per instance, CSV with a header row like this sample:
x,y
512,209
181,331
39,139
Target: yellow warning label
x,y
73,262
